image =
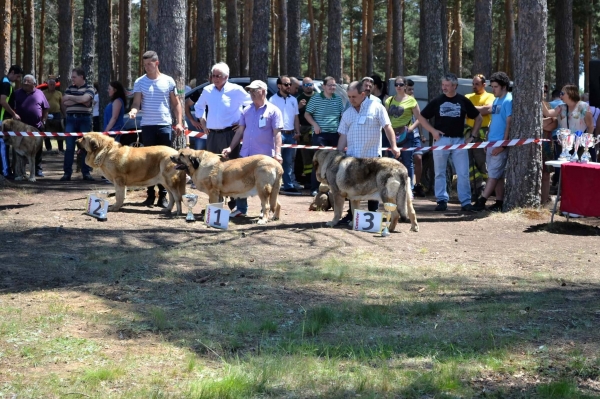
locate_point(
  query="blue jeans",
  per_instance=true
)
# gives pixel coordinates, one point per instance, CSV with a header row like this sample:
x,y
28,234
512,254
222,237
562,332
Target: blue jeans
x,y
241,204
156,135
406,157
460,158
288,160
76,123
197,143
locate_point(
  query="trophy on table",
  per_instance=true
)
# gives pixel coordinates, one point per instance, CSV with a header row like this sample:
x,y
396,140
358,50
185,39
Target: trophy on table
x,y
387,218
190,200
566,139
575,157
587,141
103,196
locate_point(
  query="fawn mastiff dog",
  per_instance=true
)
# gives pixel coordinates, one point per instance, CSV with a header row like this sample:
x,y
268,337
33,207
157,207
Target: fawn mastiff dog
x,y
26,147
239,178
134,166
382,179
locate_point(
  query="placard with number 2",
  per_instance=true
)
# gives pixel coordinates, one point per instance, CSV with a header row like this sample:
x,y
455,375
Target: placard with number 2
x,y
96,206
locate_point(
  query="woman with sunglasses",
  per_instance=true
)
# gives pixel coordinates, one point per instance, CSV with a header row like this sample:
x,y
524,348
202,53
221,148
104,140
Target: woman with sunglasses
x,y
401,109
574,114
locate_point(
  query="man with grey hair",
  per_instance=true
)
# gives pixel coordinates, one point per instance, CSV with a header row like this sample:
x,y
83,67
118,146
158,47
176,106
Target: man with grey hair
x,y
449,110
32,107
225,102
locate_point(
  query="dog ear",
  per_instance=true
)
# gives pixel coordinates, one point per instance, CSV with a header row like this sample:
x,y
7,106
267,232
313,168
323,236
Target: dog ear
x,y
94,144
195,162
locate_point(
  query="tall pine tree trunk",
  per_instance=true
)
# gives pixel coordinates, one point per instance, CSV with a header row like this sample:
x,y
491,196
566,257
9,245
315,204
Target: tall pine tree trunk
x,y
124,42
40,63
18,9
587,53
166,21
88,38
142,35
282,38
319,45
245,59
482,48
370,25
334,40
352,63
293,39
206,40
259,43
434,43
388,39
563,33
509,44
217,9
524,167
576,53
65,42
397,38
233,44
5,35
313,59
456,40
274,57
29,33
104,51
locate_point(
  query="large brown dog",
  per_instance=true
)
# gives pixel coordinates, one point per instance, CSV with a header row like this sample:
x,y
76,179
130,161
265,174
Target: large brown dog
x,y
239,178
25,146
130,166
382,179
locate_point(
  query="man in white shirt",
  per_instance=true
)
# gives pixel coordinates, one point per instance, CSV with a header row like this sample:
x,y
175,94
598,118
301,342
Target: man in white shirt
x,y
288,105
225,102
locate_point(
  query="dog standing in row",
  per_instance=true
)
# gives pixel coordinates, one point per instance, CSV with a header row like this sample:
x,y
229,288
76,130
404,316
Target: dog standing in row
x,y
26,147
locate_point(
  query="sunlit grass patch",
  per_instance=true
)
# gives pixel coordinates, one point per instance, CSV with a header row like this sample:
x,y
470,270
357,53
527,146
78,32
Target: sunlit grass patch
x,y
95,376
158,318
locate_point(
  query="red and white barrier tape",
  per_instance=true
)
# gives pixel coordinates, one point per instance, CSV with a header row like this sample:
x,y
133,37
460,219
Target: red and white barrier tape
x,y
192,133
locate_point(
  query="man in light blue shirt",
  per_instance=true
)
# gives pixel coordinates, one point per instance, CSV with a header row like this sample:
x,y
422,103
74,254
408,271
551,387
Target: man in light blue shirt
x,y
496,157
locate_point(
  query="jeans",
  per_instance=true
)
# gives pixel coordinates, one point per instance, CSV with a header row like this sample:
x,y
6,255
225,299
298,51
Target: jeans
x,y
197,143
156,135
76,123
323,139
288,160
460,158
241,204
406,157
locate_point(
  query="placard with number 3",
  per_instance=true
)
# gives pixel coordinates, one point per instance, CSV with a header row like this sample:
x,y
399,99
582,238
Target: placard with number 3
x,y
367,221
217,216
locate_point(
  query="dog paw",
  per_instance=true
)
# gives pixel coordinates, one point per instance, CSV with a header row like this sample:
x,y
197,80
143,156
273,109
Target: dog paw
x,y
113,208
415,229
261,221
31,179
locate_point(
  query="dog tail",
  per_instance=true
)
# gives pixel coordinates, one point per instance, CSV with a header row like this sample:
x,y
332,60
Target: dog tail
x,y
405,205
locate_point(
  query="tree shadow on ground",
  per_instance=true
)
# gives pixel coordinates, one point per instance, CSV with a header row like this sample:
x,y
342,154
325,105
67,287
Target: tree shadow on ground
x,y
565,228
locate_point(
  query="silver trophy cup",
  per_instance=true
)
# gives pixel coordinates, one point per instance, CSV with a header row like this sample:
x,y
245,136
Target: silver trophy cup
x,y
190,200
587,141
387,218
566,139
102,195
575,157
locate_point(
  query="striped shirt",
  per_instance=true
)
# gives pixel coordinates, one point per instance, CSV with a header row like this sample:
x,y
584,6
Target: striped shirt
x,y
326,111
363,129
156,100
81,108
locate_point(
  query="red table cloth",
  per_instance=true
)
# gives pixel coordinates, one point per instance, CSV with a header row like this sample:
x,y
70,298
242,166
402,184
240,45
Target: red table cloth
x,y
580,192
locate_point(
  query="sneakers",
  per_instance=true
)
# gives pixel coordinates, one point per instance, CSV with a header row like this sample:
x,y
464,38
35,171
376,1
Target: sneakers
x,y
149,202
65,178
468,208
441,206
39,173
162,202
313,193
298,186
236,214
479,204
419,191
88,178
345,221
497,207
290,191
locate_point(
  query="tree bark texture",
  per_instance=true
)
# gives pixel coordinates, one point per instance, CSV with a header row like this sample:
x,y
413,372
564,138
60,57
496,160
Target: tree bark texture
x,y
482,48
576,53
142,35
245,58
104,52
456,40
313,56
388,39
524,167
166,27
88,39
334,40
18,9
274,53
29,33
206,40
40,63
293,39
563,33
5,35
352,61
233,44
259,43
124,43
217,19
444,26
320,47
397,39
65,43
370,24
433,41
587,53
282,38
509,43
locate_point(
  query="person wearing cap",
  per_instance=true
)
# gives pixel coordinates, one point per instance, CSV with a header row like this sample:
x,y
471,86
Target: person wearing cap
x,y
260,125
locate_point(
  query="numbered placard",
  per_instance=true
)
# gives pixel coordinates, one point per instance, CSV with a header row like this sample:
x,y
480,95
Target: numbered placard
x,y
97,207
367,221
217,216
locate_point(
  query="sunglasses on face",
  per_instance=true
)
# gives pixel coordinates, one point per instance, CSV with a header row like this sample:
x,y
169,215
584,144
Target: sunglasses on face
x,y
562,93
287,84
399,84
307,85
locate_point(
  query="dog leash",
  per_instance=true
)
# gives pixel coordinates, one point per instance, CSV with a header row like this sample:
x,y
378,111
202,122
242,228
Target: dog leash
x,y
137,143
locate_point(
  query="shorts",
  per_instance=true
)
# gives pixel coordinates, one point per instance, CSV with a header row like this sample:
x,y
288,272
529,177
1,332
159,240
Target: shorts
x,y
418,143
547,155
496,165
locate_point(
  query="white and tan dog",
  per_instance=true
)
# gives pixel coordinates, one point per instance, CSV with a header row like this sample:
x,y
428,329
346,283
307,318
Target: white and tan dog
x,y
134,166
238,178
26,147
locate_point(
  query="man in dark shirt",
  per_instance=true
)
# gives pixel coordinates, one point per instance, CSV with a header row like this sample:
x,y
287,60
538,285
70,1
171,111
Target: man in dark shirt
x,y
449,110
7,105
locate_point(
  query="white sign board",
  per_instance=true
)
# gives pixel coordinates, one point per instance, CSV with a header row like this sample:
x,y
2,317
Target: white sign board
x,y
217,216
96,206
367,221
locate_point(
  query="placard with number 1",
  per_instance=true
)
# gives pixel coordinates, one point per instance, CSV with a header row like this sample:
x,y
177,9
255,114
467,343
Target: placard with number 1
x,y
217,216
